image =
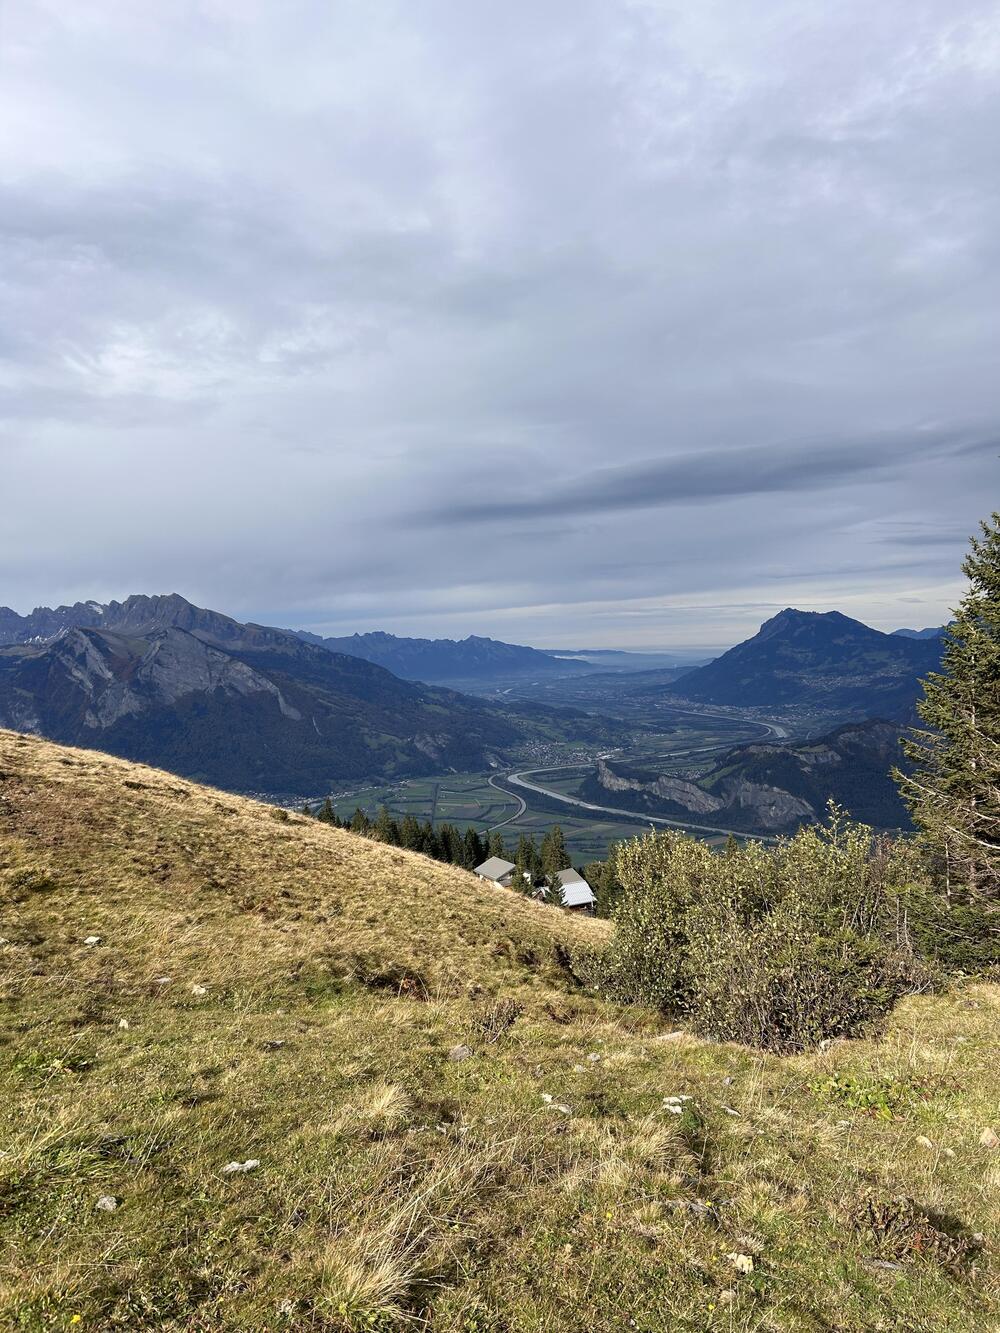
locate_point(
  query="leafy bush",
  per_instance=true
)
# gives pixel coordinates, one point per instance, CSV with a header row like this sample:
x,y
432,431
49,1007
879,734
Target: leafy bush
x,y
775,948
878,1097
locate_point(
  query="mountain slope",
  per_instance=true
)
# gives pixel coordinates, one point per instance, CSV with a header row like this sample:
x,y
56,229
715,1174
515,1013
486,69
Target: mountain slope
x,y
192,980
823,660
240,705
473,658
247,706
771,788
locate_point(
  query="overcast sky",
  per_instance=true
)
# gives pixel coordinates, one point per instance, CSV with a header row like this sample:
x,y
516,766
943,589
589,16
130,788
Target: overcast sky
x,y
581,322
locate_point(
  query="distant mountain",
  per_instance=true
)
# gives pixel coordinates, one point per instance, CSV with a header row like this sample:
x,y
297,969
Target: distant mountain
x,y
44,623
473,658
410,659
246,706
136,615
770,788
932,632
822,660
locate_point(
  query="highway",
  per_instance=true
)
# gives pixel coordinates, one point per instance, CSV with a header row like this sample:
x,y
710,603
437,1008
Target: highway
x,y
521,780
517,814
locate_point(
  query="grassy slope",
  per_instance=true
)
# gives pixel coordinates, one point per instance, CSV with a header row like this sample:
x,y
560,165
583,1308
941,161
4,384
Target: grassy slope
x,y
272,989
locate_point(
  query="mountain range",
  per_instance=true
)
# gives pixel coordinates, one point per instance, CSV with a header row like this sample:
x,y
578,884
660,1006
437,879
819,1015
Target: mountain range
x,y
432,660
823,660
473,658
770,788
245,706
254,708
931,632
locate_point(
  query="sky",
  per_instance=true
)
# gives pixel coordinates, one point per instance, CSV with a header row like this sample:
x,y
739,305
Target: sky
x,y
581,323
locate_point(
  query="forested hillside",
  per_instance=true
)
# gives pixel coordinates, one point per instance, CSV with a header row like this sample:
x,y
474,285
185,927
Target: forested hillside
x,y
822,660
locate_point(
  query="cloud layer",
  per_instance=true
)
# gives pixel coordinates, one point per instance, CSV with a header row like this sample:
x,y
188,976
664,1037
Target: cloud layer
x,y
618,323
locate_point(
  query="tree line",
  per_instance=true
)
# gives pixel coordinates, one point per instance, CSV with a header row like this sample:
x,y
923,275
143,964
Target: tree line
x,y
536,861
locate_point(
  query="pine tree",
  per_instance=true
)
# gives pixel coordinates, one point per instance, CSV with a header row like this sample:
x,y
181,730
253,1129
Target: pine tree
x,y
953,791
426,840
554,855
432,842
472,850
494,845
528,870
601,877
409,833
326,813
360,823
307,809
386,829
450,842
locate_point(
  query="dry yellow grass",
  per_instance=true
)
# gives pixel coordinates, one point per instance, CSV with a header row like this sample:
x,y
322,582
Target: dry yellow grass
x,y
270,992
214,868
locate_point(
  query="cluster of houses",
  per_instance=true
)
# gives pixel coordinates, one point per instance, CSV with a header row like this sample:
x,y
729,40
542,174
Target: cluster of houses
x,y
567,889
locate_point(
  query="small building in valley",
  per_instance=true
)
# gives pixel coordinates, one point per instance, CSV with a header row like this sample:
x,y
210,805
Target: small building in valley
x,y
497,870
571,890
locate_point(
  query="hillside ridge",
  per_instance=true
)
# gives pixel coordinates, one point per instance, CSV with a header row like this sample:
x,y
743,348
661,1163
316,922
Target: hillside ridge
x,y
260,1074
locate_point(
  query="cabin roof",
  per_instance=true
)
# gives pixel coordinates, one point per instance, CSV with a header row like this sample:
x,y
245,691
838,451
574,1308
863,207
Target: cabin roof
x,y
494,867
578,894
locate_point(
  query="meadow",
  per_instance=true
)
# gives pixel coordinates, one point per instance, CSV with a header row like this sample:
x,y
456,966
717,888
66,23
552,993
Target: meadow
x,y
258,1074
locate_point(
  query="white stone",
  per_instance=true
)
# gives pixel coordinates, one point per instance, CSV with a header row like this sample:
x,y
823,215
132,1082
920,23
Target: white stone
x,y
741,1262
232,1168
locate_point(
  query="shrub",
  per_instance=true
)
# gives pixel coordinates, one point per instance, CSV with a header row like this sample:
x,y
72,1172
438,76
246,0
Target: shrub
x,y
776,948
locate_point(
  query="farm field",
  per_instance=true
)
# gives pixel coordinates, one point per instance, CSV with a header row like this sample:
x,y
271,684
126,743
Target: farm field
x,y
682,742
468,800
465,799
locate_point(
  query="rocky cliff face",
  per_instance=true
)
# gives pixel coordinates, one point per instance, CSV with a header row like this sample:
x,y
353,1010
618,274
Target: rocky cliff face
x,y
44,623
121,675
752,804
136,615
768,788
677,791
241,706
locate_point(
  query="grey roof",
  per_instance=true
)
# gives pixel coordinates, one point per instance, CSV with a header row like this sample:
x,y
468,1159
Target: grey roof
x,y
572,889
495,867
570,876
578,893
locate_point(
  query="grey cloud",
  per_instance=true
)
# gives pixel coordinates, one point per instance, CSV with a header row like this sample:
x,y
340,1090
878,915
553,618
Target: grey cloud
x,y
299,299
712,474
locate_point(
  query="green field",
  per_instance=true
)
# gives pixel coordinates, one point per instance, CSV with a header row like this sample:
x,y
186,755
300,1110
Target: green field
x,y
463,798
468,800
684,742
